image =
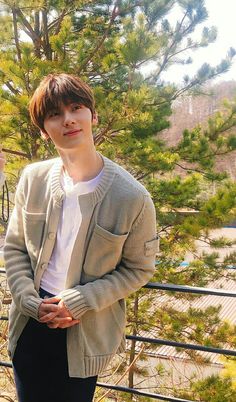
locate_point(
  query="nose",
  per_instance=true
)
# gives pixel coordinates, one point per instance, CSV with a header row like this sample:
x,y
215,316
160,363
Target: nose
x,y
68,118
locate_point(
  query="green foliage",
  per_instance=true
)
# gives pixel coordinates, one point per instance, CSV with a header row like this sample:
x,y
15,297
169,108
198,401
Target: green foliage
x,y
212,389
230,370
108,45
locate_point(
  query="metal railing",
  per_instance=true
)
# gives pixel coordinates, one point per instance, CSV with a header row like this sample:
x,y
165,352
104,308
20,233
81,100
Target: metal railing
x,y
172,288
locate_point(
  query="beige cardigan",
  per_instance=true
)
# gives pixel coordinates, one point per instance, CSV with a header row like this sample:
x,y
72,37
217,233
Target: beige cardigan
x,y
113,256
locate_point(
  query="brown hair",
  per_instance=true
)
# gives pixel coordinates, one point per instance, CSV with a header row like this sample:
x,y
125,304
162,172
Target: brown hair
x,y
55,89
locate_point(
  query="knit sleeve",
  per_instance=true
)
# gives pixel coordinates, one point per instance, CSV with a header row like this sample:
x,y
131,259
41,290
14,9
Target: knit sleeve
x,y
135,269
17,262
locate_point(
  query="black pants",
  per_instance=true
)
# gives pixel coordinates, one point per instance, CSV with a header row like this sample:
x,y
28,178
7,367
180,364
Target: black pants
x,y
41,369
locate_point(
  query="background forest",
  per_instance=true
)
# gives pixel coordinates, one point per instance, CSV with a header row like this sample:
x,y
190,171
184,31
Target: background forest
x,y
110,44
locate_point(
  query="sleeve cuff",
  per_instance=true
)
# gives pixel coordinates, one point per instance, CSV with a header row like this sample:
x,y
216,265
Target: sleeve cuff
x,y
31,307
75,302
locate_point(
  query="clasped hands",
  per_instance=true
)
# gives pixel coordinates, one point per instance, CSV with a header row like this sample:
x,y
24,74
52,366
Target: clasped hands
x,y
53,312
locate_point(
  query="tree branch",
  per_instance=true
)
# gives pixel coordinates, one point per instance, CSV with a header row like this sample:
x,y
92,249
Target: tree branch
x,y
16,38
29,31
37,23
46,42
174,41
114,14
18,153
12,89
32,33
190,169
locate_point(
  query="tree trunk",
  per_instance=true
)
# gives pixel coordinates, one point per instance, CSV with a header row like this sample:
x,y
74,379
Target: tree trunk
x,y
36,23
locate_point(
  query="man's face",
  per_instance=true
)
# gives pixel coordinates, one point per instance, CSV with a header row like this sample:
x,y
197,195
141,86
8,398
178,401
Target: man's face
x,y
69,126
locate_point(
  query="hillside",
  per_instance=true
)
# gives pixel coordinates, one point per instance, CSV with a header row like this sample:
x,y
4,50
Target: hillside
x,y
190,111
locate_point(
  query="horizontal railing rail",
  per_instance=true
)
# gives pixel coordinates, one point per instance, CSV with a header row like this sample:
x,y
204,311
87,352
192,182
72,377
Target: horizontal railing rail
x,y
166,342
141,393
170,288
189,289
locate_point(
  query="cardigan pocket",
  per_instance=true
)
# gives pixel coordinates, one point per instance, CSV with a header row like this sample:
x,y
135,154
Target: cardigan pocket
x,y
33,225
103,331
103,253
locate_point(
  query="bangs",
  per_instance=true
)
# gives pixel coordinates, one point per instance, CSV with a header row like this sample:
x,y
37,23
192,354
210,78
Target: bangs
x,y
53,101
58,89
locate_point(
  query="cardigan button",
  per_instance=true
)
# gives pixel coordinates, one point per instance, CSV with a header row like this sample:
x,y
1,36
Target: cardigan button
x,y
44,265
51,235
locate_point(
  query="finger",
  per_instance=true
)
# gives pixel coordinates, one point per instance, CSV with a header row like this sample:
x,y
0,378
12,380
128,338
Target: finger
x,y
60,323
62,305
52,326
45,309
61,320
48,317
63,325
44,312
49,308
51,300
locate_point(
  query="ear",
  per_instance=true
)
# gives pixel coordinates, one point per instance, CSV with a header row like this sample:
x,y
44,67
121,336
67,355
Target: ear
x,y
44,135
95,119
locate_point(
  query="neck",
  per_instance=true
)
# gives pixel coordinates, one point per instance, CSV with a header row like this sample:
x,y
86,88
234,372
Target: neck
x,y
82,166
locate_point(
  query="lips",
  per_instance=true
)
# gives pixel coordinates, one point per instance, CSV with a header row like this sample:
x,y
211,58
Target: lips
x,y
72,132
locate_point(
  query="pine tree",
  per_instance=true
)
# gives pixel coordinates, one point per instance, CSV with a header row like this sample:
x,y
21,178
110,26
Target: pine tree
x,y
109,43
212,389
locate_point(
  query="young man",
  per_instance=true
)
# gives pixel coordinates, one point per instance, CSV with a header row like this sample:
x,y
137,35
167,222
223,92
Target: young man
x,y
81,238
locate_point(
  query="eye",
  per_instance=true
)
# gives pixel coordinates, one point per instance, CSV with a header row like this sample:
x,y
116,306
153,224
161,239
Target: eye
x,y
53,113
76,106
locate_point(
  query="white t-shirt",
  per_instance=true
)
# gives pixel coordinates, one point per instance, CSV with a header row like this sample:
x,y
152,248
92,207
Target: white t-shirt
x,y
54,278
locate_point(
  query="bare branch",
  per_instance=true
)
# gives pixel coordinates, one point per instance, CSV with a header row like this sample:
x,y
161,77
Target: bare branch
x,y
36,23
46,42
12,89
31,32
16,38
18,153
191,169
